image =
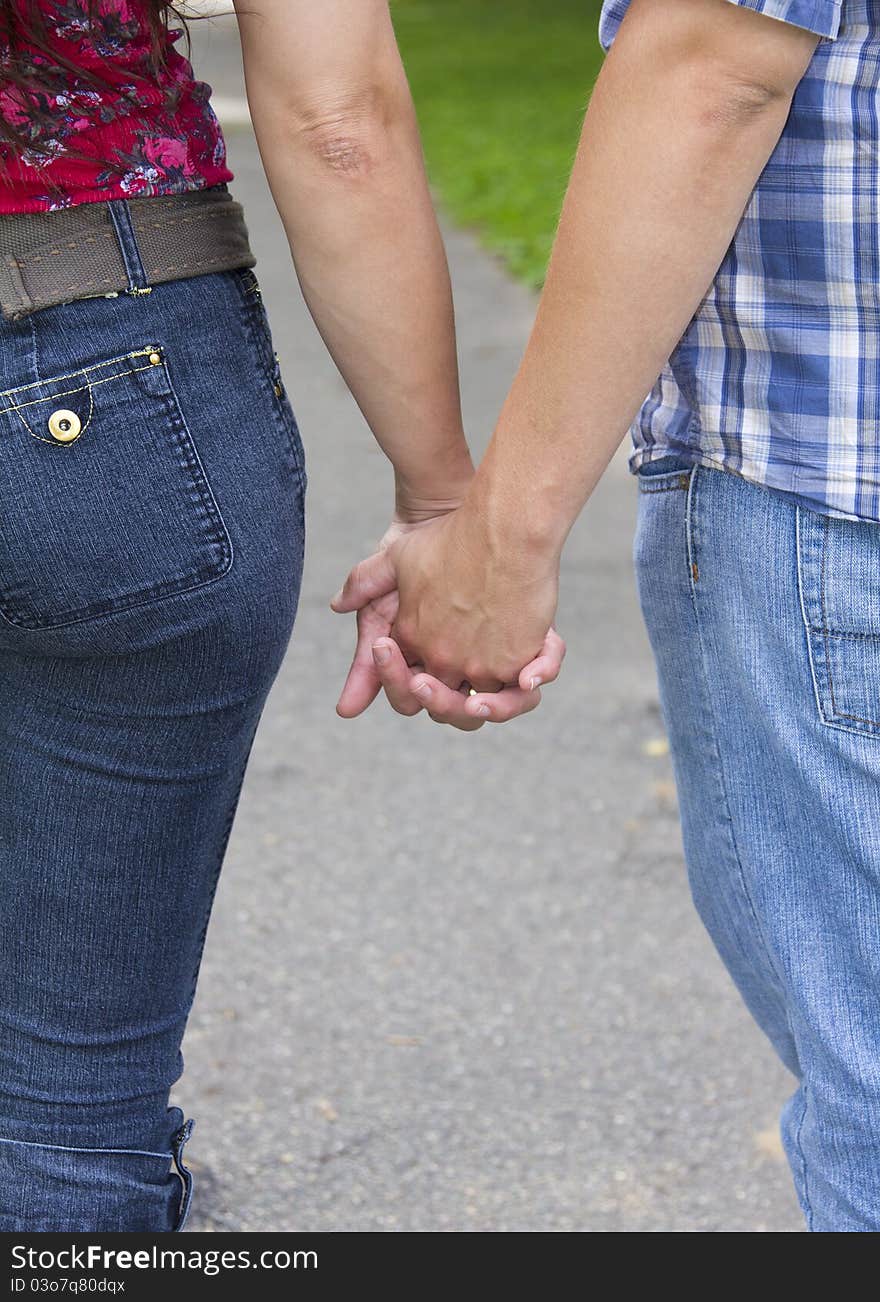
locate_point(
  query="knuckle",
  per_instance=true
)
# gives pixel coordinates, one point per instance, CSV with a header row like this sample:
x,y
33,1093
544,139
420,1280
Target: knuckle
x,y
478,675
439,665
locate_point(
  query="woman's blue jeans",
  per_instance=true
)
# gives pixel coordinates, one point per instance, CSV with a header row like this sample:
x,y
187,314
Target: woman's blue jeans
x,y
765,623
150,563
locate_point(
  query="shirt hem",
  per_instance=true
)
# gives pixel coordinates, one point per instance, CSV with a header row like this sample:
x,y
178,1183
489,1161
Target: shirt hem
x,y
105,193
697,457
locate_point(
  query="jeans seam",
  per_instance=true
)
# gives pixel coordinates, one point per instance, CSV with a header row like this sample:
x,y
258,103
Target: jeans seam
x,y
258,331
66,1148
34,350
728,817
808,1210
844,632
807,627
224,845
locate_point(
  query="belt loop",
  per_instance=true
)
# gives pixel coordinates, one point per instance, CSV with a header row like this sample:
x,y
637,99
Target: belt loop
x,y
120,215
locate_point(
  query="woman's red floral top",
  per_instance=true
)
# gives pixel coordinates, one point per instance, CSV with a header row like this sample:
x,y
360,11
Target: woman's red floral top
x,y
134,132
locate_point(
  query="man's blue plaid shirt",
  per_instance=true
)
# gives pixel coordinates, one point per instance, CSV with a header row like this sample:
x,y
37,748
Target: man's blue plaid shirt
x,y
777,377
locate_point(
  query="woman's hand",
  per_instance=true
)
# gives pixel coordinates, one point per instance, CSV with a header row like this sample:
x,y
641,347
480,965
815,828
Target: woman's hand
x,y
375,618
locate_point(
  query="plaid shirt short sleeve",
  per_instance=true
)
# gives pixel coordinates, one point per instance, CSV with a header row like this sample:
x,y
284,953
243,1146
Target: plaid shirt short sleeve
x,y
819,16
777,376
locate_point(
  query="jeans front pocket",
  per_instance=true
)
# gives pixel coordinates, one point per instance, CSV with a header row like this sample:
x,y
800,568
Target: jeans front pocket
x,y
839,574
661,566
104,503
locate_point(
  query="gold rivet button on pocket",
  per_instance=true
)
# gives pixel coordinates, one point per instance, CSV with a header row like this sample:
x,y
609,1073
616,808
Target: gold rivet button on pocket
x,y
155,359
64,425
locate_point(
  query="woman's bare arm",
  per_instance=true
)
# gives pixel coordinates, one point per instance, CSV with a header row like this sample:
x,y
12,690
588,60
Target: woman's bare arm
x,y
338,137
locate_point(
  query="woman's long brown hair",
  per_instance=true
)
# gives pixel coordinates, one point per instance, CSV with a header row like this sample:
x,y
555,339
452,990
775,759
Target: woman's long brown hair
x,y
23,32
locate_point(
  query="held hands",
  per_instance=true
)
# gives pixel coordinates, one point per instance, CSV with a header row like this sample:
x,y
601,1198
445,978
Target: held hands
x,y
440,609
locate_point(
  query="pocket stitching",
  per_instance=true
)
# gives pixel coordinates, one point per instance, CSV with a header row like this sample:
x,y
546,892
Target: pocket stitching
x,y
52,442
83,370
826,632
217,533
186,442
680,486
837,716
65,393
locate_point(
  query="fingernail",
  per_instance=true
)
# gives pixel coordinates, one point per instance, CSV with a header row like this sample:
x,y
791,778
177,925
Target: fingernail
x,y
483,711
424,691
535,682
381,655
337,598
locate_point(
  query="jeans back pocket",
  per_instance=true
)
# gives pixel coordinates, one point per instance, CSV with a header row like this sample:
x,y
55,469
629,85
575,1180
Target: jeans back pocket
x,y
839,574
104,502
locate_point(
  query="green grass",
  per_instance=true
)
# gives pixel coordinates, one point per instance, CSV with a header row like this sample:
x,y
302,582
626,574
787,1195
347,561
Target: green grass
x,y
501,87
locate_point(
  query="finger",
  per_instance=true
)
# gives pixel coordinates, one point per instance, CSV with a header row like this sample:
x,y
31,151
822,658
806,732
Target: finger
x,y
395,675
453,677
362,685
501,707
450,678
416,657
368,580
444,704
546,665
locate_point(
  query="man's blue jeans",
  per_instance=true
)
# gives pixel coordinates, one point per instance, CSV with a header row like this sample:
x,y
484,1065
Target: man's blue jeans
x,y
765,624
150,562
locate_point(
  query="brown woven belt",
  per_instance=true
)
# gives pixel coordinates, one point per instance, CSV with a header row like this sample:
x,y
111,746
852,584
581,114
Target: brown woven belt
x,y
115,247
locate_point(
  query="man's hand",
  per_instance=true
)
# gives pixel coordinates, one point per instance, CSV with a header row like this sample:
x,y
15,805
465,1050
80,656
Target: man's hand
x,y
464,613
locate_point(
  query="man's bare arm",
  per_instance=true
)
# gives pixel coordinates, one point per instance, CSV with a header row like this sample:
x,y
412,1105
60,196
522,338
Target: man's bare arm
x,y
688,107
